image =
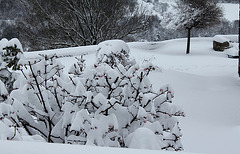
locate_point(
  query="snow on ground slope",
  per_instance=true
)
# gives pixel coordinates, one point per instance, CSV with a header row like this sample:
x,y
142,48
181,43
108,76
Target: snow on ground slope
x,y
212,122
202,60
206,86
6,147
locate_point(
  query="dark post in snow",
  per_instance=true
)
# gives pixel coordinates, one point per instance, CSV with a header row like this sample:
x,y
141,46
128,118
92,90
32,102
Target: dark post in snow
x,y
188,40
239,42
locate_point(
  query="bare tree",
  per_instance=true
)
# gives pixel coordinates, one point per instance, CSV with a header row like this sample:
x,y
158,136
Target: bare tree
x,y
64,23
197,14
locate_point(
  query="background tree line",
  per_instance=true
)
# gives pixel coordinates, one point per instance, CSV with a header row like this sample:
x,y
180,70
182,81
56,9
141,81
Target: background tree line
x,y
43,24
67,23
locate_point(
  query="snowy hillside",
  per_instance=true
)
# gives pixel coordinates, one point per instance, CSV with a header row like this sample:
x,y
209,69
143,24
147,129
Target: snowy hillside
x,y
163,7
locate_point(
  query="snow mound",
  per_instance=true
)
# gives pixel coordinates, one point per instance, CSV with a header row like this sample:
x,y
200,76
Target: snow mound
x,y
143,138
232,52
109,46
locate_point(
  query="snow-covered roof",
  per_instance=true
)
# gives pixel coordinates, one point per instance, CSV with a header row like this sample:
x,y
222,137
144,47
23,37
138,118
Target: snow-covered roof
x,y
220,39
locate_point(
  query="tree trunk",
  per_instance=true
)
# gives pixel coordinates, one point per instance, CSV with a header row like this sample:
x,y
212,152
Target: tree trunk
x,y
188,40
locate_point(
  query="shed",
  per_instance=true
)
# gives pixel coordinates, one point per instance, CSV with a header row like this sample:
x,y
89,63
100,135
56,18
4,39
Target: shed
x,y
220,43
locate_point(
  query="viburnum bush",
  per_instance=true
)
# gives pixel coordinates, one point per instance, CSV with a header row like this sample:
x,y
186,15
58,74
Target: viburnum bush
x,y
10,53
11,127
78,68
39,95
117,98
111,103
8,119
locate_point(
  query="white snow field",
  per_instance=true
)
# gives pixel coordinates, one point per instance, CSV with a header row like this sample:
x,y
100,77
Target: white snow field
x,y
206,86
8,147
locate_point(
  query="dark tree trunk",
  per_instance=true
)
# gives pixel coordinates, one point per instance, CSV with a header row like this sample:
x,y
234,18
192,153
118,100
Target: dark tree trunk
x,y
188,40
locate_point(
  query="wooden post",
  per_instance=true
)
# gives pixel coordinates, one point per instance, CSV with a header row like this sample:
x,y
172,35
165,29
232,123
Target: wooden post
x,y
188,40
239,42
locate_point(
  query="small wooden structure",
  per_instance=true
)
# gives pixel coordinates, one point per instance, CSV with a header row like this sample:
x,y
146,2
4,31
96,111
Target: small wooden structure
x,y
220,43
220,46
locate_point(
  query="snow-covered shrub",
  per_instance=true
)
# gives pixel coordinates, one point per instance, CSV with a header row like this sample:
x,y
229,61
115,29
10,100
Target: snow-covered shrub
x,y
10,53
8,123
109,104
115,101
38,95
113,52
78,68
3,92
10,126
127,94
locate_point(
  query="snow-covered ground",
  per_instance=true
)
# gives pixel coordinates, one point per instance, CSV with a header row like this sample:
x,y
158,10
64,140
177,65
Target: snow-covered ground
x,y
7,147
206,86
